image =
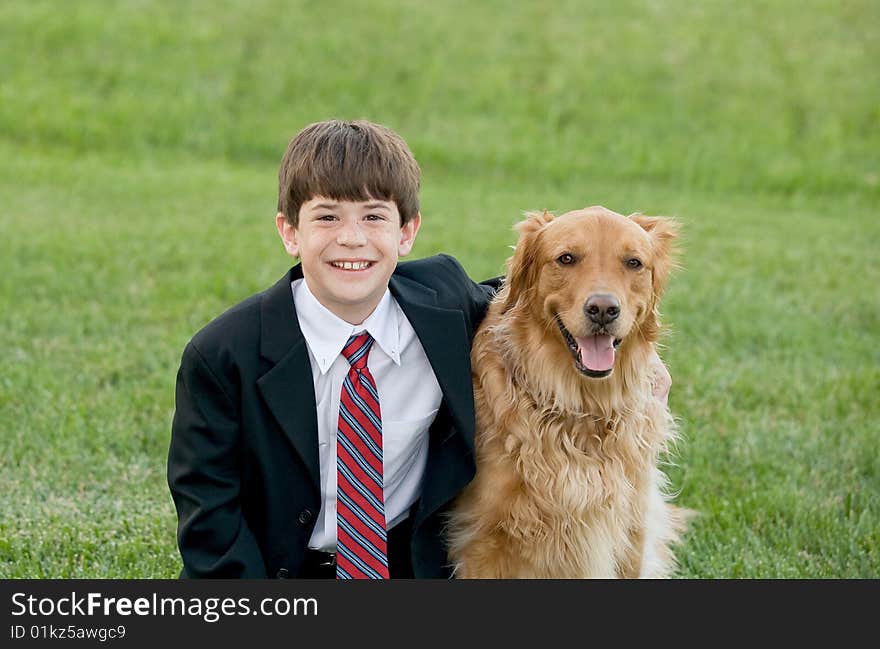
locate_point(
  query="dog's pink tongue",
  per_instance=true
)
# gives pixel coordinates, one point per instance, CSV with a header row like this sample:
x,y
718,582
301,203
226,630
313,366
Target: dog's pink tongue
x,y
597,352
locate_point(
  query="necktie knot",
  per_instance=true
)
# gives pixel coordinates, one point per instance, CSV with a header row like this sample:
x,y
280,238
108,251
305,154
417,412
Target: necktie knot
x,y
357,349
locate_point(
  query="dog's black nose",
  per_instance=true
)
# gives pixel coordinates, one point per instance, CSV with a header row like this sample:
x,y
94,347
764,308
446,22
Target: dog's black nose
x,y
602,308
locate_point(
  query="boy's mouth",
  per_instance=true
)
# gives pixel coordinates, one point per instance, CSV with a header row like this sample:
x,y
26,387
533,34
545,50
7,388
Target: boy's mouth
x,y
352,265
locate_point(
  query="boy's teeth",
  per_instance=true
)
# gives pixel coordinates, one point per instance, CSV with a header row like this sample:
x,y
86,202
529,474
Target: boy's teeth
x,y
351,265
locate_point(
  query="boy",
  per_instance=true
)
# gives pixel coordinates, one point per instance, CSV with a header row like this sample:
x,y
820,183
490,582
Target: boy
x,y
324,426
283,397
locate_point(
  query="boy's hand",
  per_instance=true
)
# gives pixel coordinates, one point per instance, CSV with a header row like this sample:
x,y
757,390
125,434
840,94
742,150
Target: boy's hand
x,y
662,378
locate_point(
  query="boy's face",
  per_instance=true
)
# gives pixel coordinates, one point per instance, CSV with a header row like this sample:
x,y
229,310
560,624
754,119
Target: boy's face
x,y
348,251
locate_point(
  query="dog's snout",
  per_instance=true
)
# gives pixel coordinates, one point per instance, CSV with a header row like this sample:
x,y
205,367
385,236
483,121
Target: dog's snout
x,y
602,308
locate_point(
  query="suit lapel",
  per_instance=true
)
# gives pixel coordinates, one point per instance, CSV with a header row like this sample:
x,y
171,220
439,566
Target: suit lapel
x,y
444,337
287,388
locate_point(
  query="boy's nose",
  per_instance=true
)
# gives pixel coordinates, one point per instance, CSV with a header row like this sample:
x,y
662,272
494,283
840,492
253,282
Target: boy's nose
x,y
351,235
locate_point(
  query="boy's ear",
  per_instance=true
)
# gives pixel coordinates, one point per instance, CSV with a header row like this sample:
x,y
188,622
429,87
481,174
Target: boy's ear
x,y
288,235
408,234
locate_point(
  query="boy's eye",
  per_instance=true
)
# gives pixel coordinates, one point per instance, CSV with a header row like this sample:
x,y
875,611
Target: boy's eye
x,y
326,217
375,217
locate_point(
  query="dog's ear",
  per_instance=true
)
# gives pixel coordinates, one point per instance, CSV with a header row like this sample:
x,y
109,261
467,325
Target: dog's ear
x,y
522,267
664,232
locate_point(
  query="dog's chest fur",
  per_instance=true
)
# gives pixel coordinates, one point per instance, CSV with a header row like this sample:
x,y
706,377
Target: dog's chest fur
x,y
578,488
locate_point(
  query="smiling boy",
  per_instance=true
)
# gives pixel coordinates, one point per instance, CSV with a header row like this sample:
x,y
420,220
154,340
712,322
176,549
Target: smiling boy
x,y
323,426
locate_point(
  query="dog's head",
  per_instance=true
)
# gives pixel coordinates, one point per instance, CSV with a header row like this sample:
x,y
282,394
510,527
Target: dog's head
x,y
592,276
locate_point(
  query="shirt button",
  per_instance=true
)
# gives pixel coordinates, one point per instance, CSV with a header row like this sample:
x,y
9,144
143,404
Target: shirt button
x,y
304,516
282,573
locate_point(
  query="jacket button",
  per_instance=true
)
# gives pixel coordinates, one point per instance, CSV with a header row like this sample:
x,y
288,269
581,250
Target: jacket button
x,y
304,517
282,573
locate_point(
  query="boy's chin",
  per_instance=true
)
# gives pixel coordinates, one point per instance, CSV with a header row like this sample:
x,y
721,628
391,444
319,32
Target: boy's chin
x,y
359,297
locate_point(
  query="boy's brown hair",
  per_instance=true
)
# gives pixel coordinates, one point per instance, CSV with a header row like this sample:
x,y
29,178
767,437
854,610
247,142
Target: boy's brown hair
x,y
354,161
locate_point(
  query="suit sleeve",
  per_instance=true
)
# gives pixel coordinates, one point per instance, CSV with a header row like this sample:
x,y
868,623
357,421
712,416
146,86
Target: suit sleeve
x,y
478,295
493,285
204,474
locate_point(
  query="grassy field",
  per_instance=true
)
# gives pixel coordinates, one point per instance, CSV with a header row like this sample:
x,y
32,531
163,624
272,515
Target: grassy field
x,y
139,144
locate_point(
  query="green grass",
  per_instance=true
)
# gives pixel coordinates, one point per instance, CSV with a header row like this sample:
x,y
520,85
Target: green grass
x,y
139,145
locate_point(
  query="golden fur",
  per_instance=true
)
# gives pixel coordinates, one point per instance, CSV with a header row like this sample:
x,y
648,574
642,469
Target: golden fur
x,y
568,483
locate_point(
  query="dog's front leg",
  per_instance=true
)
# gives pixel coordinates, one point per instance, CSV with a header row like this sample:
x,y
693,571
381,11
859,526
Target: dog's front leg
x,y
485,557
631,563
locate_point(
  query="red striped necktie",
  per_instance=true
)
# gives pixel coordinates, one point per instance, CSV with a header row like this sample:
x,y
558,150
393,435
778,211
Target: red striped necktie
x,y
361,538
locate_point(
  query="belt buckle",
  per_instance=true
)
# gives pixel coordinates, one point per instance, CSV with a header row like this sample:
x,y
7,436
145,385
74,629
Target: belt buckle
x,y
330,559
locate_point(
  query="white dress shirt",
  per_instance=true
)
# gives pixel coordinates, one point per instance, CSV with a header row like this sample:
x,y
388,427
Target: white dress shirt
x,y
409,397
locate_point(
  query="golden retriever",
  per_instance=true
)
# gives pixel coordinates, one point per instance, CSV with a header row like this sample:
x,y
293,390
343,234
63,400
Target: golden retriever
x,y
568,430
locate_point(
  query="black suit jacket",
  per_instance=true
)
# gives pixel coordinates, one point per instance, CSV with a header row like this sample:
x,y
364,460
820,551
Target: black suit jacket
x,y
243,462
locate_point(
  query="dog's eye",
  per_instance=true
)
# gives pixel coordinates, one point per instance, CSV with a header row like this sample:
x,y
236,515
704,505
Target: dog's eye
x,y
634,263
566,259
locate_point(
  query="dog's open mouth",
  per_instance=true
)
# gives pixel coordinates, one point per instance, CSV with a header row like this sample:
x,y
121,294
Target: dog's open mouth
x,y
593,355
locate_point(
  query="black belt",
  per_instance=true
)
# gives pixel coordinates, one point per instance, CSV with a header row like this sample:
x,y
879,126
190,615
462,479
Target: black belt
x,y
322,565
320,559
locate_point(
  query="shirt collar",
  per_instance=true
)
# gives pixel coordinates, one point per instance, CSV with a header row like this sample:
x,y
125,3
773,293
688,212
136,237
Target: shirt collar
x,y
326,333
